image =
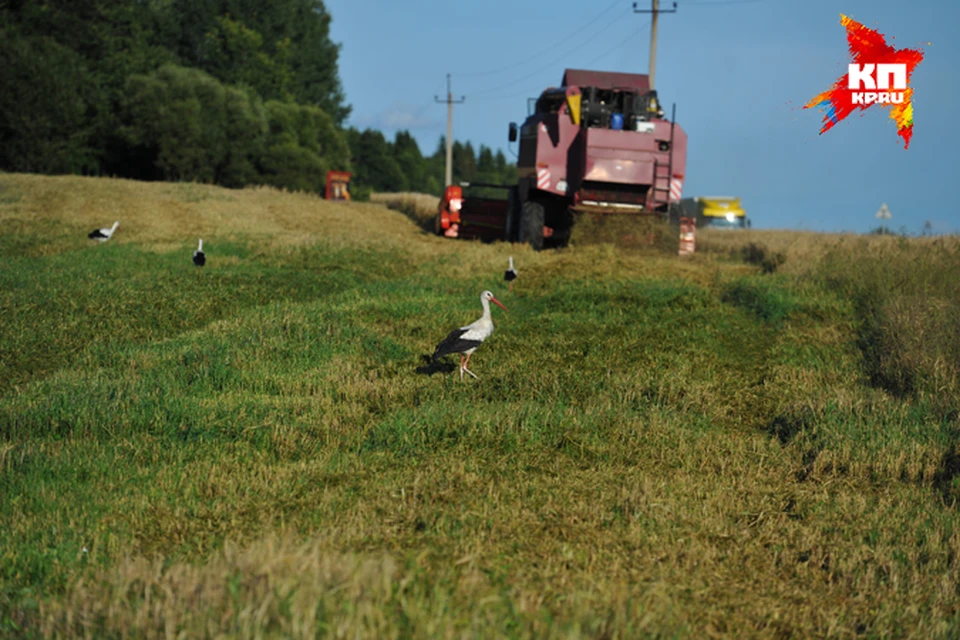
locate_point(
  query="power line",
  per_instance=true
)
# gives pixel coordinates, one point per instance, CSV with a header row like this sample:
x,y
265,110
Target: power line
x,y
552,63
491,72
427,105
620,44
589,63
415,115
423,108
511,67
707,3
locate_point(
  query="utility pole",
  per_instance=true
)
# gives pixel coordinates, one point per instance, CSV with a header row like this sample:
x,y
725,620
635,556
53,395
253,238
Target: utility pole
x,y
655,10
450,102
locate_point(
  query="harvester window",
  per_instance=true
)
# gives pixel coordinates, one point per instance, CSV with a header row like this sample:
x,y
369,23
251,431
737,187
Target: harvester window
x,y
551,101
597,108
633,106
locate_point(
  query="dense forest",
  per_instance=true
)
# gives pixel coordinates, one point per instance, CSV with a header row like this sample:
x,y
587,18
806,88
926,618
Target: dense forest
x,y
229,92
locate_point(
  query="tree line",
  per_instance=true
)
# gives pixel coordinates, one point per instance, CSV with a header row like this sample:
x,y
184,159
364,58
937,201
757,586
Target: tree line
x,y
385,166
229,92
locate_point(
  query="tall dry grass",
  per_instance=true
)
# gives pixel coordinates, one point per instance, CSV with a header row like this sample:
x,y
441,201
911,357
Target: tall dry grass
x,y
805,250
419,207
59,212
909,311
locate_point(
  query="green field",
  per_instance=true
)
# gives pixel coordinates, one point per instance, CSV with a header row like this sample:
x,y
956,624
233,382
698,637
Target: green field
x,y
655,447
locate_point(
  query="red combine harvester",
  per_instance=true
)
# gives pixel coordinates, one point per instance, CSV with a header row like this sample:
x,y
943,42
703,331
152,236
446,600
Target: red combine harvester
x,y
598,144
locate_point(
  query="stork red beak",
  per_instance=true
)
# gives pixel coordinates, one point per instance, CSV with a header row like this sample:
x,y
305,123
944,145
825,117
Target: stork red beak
x,y
498,303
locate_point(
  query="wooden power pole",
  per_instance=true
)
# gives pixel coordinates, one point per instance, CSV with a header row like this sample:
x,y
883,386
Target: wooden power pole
x,y
450,102
655,10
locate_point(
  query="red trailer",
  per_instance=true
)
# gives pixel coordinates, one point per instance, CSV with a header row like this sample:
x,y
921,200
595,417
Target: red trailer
x,y
476,217
597,144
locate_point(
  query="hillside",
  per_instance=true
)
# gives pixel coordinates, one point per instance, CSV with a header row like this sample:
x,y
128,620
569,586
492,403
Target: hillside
x,y
655,445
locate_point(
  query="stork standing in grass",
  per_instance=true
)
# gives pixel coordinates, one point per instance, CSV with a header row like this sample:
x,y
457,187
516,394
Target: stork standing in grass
x,y
199,258
466,340
102,235
510,274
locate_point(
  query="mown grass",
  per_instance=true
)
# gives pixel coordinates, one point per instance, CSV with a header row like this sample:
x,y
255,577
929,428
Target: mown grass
x,y
657,446
419,207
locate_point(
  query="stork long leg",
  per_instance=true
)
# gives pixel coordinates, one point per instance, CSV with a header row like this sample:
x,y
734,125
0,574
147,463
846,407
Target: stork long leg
x,y
461,367
468,370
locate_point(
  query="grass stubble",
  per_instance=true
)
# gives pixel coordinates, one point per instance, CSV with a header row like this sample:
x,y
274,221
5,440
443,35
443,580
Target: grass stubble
x,y
656,447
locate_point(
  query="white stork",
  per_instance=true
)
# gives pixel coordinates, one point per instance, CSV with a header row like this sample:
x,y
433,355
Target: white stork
x,y
199,258
510,274
466,340
102,235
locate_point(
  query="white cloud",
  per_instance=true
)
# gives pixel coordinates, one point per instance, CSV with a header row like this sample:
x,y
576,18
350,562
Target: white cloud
x,y
401,116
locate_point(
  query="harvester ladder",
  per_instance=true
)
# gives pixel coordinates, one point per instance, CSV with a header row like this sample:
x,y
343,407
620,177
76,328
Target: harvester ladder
x,y
658,177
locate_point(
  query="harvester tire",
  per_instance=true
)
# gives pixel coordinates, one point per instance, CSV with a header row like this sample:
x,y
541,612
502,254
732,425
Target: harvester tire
x,y
532,218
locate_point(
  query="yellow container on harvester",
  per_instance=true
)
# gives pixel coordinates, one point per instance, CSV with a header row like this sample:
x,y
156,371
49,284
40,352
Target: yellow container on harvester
x,y
722,211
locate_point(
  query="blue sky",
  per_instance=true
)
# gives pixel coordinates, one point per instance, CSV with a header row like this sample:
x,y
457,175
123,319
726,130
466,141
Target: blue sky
x,y
739,72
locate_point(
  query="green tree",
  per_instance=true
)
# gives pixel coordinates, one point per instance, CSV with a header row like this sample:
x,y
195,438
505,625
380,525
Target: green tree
x,y
245,125
469,160
92,45
436,165
501,162
313,55
295,33
303,144
374,164
433,186
486,166
506,171
411,161
235,55
315,60
177,114
45,108
485,162
464,162
68,68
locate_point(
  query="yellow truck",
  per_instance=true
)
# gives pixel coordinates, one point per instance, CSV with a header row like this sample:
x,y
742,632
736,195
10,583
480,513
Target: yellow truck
x,y
721,212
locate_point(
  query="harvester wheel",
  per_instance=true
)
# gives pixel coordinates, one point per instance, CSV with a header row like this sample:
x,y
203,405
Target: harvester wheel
x,y
532,218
